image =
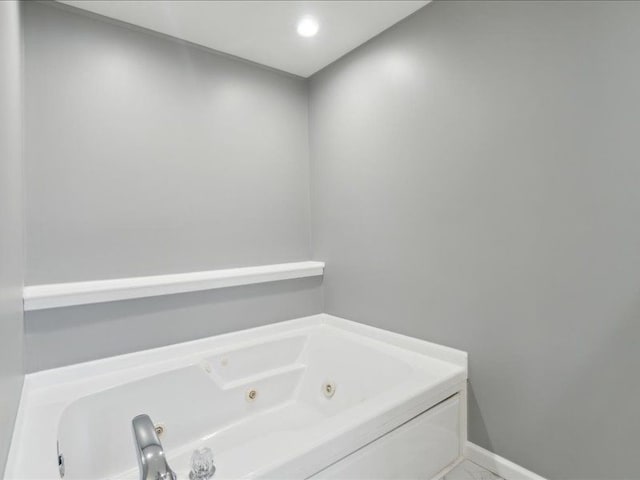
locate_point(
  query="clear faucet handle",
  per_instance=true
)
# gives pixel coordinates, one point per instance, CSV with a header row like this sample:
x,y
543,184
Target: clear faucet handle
x,y
202,467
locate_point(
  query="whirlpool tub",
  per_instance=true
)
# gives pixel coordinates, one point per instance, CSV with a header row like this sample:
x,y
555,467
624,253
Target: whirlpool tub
x,y
317,397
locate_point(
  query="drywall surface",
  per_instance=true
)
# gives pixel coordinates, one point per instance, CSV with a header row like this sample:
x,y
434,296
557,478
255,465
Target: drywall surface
x,y
475,182
146,155
149,156
11,258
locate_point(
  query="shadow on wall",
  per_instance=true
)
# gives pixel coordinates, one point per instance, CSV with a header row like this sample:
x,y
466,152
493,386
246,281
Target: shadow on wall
x,y
477,427
63,336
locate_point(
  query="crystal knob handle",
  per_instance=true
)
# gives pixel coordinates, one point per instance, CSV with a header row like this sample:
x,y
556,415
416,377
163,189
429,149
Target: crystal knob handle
x,y
202,467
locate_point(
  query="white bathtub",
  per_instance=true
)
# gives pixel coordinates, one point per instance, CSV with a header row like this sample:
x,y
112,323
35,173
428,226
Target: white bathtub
x,y
398,408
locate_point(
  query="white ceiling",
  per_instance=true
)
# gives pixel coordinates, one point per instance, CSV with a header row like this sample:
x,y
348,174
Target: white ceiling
x,y
262,31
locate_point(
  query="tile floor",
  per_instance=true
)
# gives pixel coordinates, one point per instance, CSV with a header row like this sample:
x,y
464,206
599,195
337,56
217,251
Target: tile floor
x,y
468,470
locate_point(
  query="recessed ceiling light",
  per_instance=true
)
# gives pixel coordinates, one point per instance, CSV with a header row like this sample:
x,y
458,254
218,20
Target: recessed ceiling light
x,y
308,26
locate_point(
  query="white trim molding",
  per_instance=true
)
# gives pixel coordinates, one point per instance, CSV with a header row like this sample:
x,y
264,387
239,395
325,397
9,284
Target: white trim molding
x,y
38,297
497,464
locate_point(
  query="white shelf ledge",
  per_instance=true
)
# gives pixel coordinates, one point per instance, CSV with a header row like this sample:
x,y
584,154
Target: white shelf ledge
x,y
38,297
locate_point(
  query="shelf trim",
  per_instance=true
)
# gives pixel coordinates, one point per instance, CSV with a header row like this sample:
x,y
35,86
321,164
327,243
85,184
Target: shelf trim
x,y
39,297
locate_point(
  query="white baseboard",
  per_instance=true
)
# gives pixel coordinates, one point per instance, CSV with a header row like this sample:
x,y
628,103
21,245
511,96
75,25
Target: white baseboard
x,y
497,464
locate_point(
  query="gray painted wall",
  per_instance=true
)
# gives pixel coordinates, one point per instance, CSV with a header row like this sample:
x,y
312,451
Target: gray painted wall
x,y
476,183
146,155
11,264
149,156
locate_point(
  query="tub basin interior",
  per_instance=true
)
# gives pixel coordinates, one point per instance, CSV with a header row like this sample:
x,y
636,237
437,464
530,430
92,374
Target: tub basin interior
x,y
207,403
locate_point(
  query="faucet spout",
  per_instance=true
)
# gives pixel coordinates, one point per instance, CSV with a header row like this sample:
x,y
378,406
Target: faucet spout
x,y
151,458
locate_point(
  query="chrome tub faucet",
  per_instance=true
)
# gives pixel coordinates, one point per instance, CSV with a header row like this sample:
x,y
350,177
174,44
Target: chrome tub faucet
x,y
151,458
